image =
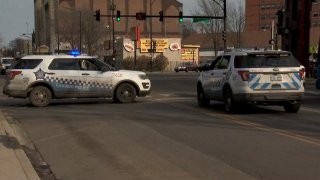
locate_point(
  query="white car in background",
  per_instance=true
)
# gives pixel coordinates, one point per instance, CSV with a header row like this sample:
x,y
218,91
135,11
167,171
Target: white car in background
x,y
44,77
5,64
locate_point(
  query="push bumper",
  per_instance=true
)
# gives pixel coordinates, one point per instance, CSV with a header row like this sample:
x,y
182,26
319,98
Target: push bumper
x,y
269,98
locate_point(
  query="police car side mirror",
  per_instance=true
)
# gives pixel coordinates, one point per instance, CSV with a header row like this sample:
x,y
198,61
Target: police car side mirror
x,y
104,69
206,67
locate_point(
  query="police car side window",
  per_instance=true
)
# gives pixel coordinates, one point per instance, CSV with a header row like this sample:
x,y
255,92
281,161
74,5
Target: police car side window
x,y
63,64
214,63
26,63
223,63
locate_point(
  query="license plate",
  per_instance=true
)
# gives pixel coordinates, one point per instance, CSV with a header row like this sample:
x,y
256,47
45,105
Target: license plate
x,y
277,77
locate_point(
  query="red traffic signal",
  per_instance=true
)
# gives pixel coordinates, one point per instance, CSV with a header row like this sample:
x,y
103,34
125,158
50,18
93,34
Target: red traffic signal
x,y
141,16
161,16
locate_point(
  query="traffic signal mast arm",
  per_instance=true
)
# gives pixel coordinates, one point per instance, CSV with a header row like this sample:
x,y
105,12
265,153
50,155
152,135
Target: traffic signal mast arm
x,y
167,16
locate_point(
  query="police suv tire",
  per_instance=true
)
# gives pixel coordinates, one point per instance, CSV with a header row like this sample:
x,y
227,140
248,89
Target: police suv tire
x,y
40,96
292,107
202,100
125,93
229,104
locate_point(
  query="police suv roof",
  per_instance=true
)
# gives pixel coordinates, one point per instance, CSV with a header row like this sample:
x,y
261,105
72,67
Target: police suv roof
x,y
54,56
257,51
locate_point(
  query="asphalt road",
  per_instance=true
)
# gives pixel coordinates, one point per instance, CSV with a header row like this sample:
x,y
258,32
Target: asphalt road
x,y
167,137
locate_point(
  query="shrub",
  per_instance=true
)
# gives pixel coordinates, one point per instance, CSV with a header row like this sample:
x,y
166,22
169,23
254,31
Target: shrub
x,y
143,63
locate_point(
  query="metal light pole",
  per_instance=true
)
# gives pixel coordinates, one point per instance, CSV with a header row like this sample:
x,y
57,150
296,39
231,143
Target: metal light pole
x,y
80,31
225,23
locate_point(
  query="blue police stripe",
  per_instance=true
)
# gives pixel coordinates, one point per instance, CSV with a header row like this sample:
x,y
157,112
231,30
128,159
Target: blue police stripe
x,y
297,75
254,85
265,86
296,85
287,85
252,76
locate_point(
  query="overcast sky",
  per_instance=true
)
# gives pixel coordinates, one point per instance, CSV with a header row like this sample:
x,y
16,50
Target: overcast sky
x,y
17,17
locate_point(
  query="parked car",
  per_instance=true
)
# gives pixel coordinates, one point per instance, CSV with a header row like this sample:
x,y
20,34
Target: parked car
x,y
257,77
5,63
44,77
186,66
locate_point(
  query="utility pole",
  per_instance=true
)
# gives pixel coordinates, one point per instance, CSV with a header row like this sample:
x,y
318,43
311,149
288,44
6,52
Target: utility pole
x,y
225,23
80,31
113,7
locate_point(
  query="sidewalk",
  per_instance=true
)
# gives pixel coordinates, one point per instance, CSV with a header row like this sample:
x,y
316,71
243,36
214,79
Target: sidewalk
x,y
14,163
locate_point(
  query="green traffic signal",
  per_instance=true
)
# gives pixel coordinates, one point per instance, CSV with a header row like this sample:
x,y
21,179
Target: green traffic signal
x,y
180,17
118,16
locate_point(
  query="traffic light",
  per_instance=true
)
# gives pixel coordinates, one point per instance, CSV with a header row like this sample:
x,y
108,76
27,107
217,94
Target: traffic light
x,y
281,21
161,16
118,15
180,17
97,15
224,35
141,16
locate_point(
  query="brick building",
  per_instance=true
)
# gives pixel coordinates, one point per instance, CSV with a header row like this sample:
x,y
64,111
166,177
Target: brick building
x,y
53,16
259,17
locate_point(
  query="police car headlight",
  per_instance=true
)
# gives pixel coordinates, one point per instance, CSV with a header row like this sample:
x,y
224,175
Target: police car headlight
x,y
143,76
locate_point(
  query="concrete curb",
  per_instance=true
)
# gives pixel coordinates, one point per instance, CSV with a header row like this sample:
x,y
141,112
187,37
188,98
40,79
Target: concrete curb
x,y
18,165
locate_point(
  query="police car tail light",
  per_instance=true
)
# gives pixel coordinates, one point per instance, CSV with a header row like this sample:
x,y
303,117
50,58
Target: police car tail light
x,y
244,75
302,73
12,74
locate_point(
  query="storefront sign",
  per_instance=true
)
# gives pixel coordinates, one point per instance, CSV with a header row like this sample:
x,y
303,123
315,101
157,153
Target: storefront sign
x,y
128,47
160,46
189,54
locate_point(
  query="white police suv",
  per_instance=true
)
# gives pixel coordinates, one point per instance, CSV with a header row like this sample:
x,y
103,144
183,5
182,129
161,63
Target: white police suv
x,y
44,77
258,77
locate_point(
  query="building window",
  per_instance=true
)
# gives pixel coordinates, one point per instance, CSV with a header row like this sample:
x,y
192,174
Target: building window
x,y
265,26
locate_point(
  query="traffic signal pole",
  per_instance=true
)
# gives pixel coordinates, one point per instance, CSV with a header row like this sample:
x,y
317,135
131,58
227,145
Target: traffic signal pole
x,y
112,19
225,24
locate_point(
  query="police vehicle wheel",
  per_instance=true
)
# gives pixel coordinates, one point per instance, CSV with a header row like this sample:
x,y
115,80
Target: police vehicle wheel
x,y
292,107
202,100
229,104
40,96
125,93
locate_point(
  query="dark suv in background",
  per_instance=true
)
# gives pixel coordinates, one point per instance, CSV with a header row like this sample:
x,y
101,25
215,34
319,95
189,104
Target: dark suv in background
x,y
186,66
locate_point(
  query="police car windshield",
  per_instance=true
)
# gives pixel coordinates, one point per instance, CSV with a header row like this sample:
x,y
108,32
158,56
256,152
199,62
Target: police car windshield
x,y
265,61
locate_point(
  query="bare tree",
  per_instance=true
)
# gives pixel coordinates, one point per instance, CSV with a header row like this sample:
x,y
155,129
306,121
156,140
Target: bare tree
x,y
1,40
215,26
18,46
79,28
94,33
235,22
187,29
